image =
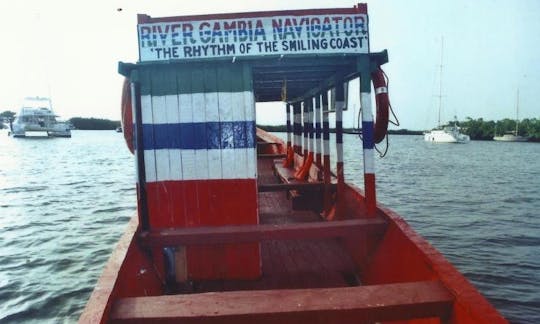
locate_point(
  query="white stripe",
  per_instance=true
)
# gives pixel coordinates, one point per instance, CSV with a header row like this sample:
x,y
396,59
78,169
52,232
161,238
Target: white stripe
x,y
225,106
159,110
339,111
249,104
365,102
250,171
198,107
200,164
380,90
175,164
326,147
186,108
199,112
146,110
188,166
339,152
238,111
162,165
318,121
369,161
297,140
288,113
312,124
211,106
234,163
172,108
326,143
214,164
150,166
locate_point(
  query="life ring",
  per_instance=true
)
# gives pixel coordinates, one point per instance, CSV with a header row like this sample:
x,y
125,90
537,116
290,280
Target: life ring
x,y
383,105
127,115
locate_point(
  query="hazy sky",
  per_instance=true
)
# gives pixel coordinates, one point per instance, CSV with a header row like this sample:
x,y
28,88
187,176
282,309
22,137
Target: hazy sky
x,y
69,50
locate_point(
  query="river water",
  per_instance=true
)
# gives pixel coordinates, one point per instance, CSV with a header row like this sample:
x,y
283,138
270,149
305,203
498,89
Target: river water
x,y
65,202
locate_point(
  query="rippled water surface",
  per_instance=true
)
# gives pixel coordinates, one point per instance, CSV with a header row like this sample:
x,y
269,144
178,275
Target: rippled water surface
x,y
65,202
63,205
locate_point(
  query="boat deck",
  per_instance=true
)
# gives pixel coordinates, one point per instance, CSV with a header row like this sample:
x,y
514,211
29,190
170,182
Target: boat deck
x,y
291,264
307,276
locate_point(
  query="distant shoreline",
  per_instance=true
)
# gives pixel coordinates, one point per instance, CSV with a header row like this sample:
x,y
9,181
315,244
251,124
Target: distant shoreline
x,y
93,123
475,136
283,129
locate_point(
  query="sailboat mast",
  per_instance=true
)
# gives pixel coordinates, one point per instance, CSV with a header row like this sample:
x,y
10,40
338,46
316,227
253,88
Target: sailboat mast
x,y
440,84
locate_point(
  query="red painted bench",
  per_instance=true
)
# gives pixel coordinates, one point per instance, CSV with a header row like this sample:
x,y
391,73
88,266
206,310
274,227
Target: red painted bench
x,y
389,302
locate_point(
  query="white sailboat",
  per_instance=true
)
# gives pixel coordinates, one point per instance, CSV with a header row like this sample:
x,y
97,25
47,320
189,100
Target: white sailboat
x,y
448,133
513,136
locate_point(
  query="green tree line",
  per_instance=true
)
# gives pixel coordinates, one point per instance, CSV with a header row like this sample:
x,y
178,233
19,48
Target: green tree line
x,y
480,129
93,123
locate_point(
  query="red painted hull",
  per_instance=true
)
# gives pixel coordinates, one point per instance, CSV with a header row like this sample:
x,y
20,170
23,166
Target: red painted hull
x,y
391,273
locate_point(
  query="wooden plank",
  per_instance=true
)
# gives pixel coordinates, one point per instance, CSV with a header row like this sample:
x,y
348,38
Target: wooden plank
x,y
285,174
400,301
261,232
304,186
271,156
269,143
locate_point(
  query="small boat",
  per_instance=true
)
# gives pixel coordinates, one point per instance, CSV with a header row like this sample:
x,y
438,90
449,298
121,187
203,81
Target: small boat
x,y
119,129
235,225
511,137
514,135
37,119
445,134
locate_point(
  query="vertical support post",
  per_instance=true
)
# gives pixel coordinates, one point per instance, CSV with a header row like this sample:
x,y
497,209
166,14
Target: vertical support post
x,y
339,106
311,148
142,202
305,129
289,127
327,196
368,142
297,128
318,149
289,156
303,172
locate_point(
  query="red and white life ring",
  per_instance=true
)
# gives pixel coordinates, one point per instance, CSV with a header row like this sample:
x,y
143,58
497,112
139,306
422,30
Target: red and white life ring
x,y
127,115
383,105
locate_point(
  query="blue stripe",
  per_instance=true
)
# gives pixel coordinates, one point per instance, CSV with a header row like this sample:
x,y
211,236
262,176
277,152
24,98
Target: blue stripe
x,y
326,130
297,129
199,136
339,132
288,111
367,135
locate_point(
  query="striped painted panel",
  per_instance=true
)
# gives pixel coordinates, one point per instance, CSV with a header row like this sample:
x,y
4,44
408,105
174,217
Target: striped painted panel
x,y
199,142
198,123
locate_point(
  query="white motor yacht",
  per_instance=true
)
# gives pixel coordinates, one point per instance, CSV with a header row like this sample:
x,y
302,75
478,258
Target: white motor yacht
x,y
36,118
446,134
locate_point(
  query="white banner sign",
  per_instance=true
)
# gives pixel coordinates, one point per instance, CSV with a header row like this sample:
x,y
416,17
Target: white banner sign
x,y
310,34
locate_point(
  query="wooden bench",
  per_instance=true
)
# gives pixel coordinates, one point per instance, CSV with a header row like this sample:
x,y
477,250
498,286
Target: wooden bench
x,y
360,304
256,233
304,195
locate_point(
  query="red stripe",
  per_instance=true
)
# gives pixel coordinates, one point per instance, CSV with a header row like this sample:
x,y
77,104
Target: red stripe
x,y
360,9
369,187
202,202
206,203
326,176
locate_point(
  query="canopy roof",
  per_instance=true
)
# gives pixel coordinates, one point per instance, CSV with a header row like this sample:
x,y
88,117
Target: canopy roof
x,y
293,54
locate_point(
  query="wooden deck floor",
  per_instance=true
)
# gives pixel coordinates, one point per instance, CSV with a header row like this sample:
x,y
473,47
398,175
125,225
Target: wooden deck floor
x,y
291,264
